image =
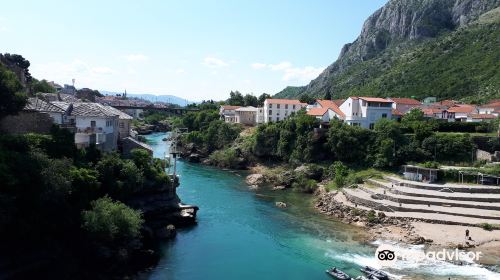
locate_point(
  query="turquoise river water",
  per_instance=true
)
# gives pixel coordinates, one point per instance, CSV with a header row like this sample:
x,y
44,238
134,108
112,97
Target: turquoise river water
x,y
242,235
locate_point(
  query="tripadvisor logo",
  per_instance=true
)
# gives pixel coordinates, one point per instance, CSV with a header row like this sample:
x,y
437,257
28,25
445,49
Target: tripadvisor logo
x,y
387,255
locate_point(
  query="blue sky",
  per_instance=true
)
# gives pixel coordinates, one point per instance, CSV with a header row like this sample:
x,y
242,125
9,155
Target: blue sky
x,y
193,49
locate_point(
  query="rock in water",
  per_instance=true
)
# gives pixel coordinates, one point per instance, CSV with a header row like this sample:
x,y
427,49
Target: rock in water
x,y
280,204
255,179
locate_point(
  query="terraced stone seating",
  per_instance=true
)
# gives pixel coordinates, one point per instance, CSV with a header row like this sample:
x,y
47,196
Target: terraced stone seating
x,y
447,203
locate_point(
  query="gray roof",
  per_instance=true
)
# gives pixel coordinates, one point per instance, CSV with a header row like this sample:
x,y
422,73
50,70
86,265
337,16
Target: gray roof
x,y
88,109
121,115
37,104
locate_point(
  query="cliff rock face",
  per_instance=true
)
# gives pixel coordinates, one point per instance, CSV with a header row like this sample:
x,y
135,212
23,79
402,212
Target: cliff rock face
x,y
398,24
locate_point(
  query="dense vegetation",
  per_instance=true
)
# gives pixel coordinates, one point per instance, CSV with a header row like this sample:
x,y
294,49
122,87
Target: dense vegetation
x,y
463,64
62,209
52,195
339,152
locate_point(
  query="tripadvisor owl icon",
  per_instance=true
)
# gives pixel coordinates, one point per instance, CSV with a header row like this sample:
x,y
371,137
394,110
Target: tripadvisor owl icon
x,y
386,255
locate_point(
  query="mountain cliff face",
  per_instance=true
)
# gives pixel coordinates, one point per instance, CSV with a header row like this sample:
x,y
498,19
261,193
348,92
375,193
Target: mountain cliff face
x,y
390,33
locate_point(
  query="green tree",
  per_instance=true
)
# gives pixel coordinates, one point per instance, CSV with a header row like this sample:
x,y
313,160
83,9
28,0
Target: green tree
x,y
306,98
10,93
112,221
235,99
263,98
41,86
250,100
328,95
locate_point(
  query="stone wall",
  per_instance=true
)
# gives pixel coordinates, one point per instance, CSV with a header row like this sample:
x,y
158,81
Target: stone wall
x,y
26,122
483,155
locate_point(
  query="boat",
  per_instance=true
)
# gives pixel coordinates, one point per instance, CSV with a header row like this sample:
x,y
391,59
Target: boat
x,y
374,273
338,274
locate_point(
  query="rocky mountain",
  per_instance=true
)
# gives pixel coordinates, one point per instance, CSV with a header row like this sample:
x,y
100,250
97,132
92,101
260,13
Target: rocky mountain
x,y
154,98
405,34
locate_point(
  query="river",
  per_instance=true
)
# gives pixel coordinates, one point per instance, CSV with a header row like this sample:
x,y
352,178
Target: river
x,y
241,234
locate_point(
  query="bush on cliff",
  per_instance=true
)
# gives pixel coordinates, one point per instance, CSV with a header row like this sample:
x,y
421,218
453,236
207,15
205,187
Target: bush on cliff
x,y
227,158
112,221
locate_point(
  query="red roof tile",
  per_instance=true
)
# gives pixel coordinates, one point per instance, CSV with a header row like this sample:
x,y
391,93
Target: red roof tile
x,y
461,108
375,99
229,107
331,105
317,111
406,101
396,112
284,101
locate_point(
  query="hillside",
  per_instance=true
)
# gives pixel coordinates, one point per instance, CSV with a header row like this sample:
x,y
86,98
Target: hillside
x,y
154,98
447,49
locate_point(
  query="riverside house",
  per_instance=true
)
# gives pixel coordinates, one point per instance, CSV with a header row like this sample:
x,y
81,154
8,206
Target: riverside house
x,y
95,124
404,105
279,109
366,111
228,113
325,110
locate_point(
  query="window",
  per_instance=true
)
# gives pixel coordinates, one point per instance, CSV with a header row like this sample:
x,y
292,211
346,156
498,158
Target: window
x,y
372,125
384,115
92,123
278,119
293,107
278,106
286,106
270,119
270,105
122,125
270,112
364,103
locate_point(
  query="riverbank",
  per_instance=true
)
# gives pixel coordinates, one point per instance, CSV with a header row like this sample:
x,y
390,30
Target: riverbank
x,y
411,231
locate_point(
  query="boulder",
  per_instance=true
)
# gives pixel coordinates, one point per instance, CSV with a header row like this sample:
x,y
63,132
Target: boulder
x,y
194,158
255,179
253,187
278,188
280,204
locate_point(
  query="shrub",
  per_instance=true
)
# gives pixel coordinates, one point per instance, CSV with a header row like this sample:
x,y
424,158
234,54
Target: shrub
x,y
227,158
371,216
487,226
303,184
112,221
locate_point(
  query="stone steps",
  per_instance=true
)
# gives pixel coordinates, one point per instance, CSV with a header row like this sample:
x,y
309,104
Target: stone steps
x,y
362,197
402,190
457,188
427,217
440,201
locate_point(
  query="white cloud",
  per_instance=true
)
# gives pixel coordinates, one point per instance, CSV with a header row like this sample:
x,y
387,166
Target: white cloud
x,y
84,73
138,57
258,65
102,70
214,62
180,71
280,66
302,74
291,73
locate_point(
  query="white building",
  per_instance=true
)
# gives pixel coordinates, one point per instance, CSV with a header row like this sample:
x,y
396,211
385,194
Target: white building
x,y
325,110
404,105
279,109
228,113
95,124
124,122
260,115
366,111
246,115
58,111
460,112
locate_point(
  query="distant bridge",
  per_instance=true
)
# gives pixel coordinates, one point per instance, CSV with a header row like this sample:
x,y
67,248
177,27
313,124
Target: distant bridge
x,y
173,110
